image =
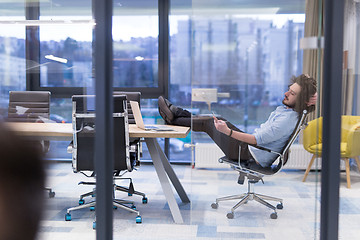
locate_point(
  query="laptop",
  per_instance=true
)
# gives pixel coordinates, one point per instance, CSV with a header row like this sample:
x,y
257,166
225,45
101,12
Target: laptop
x,y
140,122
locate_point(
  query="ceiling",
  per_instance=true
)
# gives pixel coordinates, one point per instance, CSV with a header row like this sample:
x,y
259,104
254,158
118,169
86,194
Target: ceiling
x,y
134,7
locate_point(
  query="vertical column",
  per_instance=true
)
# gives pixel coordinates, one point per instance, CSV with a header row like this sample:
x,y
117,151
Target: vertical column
x,y
103,56
164,9
334,21
32,45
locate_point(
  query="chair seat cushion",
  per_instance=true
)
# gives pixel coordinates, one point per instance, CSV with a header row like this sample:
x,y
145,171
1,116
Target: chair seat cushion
x,y
317,149
250,165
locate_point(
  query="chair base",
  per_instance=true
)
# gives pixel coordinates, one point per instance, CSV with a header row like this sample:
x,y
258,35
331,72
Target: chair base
x,y
250,195
117,203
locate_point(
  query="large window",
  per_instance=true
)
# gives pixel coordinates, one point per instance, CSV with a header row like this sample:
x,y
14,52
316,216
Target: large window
x,y
248,57
13,62
136,50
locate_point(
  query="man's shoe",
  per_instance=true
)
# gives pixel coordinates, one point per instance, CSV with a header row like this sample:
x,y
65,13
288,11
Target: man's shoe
x,y
164,110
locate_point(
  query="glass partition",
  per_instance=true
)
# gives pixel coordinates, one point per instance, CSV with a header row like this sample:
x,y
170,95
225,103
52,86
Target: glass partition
x,y
228,59
65,36
12,54
135,36
243,60
350,124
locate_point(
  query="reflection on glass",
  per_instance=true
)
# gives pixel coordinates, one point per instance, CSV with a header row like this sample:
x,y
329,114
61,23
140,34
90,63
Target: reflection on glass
x,y
65,54
249,60
135,50
350,123
13,63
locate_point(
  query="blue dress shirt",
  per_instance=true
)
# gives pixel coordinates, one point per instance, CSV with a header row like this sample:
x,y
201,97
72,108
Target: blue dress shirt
x,y
273,134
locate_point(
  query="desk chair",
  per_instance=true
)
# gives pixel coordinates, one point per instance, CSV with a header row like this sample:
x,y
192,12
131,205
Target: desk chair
x,y
255,173
135,143
349,145
31,106
83,120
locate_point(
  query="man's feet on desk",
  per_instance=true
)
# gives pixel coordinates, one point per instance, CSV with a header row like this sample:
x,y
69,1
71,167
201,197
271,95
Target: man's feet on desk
x,y
165,110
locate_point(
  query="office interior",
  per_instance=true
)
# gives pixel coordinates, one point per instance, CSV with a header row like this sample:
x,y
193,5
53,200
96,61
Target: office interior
x,y
229,58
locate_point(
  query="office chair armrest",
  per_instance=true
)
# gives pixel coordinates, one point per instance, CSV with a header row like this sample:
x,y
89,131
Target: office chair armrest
x,y
70,147
266,149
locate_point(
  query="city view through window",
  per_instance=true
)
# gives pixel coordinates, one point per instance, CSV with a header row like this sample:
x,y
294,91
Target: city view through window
x,y
250,57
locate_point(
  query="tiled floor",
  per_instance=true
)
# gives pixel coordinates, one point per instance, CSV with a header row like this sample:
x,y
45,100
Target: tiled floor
x,y
252,221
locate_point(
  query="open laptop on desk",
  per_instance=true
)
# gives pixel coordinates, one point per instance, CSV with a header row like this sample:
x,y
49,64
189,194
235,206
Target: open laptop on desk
x,y
140,122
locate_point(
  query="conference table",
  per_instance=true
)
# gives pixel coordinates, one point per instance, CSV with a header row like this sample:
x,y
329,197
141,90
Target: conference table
x,y
165,172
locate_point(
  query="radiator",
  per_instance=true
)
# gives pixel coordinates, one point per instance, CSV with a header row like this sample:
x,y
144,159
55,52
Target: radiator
x,y
208,154
299,158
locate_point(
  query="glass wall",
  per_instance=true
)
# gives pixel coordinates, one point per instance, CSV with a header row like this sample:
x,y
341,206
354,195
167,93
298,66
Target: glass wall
x,y
180,18
135,36
12,54
350,124
243,59
226,59
242,62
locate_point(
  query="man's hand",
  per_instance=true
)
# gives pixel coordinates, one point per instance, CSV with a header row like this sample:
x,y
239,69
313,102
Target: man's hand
x,y
221,126
312,100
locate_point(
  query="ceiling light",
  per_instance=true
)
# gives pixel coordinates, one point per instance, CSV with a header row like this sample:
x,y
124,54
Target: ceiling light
x,y
56,59
47,22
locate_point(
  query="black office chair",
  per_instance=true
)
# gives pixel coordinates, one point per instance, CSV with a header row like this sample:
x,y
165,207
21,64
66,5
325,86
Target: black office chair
x,y
31,106
255,173
135,143
83,119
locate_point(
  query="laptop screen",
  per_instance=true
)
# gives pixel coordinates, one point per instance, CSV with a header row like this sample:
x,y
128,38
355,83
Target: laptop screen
x,y
137,114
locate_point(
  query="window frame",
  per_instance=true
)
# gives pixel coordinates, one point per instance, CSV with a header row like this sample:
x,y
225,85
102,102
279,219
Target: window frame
x,y
33,54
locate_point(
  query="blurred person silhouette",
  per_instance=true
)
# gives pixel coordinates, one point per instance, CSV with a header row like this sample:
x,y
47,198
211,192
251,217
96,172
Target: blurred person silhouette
x,y
273,134
22,179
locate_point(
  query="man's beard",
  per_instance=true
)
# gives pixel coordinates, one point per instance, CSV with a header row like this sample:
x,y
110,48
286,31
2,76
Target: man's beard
x,y
288,105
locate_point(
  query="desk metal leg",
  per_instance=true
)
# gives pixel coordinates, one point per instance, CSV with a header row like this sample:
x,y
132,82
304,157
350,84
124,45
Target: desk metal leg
x,y
161,170
172,175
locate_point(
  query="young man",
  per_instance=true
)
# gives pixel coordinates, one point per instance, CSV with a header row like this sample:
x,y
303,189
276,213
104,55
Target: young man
x,y
273,134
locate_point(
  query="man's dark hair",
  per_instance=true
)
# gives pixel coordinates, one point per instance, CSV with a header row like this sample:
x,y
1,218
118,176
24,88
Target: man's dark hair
x,y
308,89
22,179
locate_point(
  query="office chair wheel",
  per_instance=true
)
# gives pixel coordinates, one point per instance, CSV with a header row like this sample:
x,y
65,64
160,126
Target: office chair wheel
x,y
144,200
280,206
230,215
138,219
214,205
67,217
51,194
92,208
81,201
273,215
94,225
133,207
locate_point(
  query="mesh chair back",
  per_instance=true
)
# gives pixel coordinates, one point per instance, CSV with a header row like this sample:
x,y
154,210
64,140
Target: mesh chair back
x,y
285,151
28,106
84,134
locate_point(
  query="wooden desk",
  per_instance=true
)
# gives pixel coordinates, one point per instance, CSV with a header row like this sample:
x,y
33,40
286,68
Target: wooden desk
x,y
59,131
42,131
63,132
